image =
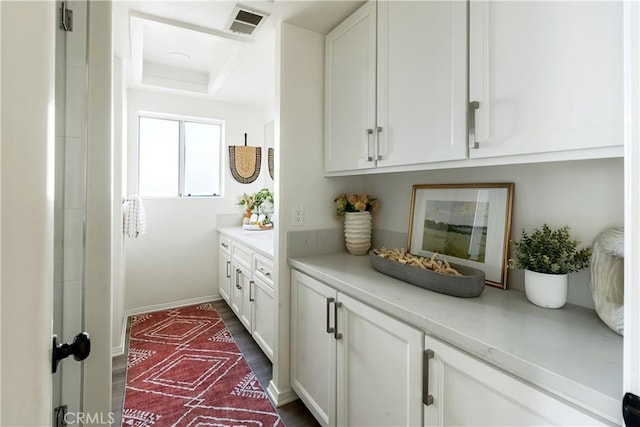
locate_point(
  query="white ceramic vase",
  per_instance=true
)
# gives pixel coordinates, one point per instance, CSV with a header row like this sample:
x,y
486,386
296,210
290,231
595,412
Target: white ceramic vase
x,y
357,232
546,290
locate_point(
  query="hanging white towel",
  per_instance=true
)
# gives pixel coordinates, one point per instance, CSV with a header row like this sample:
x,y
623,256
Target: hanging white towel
x,y
135,219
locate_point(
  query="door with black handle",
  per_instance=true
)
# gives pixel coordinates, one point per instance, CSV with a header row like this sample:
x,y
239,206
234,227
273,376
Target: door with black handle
x,y
631,410
80,349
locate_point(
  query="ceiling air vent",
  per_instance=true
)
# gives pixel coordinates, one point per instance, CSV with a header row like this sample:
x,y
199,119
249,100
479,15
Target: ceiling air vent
x,y
245,21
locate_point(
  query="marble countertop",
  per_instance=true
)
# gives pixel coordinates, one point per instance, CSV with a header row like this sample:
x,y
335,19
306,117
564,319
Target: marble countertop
x,y
568,352
259,240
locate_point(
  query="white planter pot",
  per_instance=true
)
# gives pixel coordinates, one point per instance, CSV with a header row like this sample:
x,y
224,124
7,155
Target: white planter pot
x,y
546,290
357,232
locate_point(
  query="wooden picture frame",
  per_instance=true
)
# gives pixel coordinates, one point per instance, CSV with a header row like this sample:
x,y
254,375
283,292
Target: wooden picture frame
x,y
468,224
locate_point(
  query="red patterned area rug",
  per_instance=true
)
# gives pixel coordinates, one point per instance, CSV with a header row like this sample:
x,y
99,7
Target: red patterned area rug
x,y
185,369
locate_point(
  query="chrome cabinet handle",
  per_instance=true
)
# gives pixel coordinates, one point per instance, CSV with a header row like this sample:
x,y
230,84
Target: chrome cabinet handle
x,y
251,298
473,106
224,245
329,328
238,273
369,156
228,269
265,272
427,399
378,156
336,335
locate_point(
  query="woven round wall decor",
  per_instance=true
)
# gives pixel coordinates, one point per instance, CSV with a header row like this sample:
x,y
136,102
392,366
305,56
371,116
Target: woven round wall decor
x,y
244,162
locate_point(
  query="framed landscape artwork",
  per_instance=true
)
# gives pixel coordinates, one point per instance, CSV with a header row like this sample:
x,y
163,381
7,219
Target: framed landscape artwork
x,y
468,224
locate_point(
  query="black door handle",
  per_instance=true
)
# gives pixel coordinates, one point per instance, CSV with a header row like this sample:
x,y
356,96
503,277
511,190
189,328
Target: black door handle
x,y
79,348
631,410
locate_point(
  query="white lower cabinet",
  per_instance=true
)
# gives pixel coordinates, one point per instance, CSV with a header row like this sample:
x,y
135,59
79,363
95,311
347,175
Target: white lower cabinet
x,y
245,313
465,391
224,271
246,284
352,364
240,303
262,297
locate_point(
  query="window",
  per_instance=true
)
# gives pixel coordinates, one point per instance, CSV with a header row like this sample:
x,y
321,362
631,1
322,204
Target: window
x,y
178,158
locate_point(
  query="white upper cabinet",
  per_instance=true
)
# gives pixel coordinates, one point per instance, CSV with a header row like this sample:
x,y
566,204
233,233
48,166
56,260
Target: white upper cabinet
x,y
350,97
547,76
422,82
396,86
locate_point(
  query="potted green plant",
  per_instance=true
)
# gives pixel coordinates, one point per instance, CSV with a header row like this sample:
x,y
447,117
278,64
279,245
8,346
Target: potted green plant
x,y
548,256
263,200
257,206
247,202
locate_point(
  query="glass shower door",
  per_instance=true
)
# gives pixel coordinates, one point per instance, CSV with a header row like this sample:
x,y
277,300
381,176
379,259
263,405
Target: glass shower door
x,y
70,206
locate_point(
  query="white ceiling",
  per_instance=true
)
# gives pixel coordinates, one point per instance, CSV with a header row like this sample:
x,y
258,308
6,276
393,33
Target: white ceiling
x,y
183,45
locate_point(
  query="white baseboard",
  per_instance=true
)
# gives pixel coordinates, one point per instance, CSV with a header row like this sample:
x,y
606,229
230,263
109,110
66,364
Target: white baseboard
x,y
118,350
172,304
280,398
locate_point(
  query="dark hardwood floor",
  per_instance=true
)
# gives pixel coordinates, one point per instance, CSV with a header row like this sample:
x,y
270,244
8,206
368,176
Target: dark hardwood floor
x,y
293,414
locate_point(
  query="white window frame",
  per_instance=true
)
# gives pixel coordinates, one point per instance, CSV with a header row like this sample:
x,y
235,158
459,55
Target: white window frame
x,y
181,146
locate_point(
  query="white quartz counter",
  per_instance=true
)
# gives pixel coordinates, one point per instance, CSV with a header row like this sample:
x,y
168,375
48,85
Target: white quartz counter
x,y
568,351
259,240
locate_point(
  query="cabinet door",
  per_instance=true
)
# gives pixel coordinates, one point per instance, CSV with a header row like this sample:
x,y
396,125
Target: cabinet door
x,y
225,276
350,85
237,283
469,392
313,349
379,361
422,82
244,286
547,75
262,296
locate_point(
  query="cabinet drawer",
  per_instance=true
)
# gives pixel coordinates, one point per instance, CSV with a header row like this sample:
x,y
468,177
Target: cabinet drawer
x,y
241,254
224,244
263,268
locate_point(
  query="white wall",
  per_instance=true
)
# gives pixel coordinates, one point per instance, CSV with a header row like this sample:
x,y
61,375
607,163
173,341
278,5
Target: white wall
x,y
119,191
587,195
177,260
299,169
97,291
27,135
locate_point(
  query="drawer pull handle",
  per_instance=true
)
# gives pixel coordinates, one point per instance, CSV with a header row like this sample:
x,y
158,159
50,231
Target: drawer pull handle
x,y
251,298
473,142
329,328
369,156
224,245
228,269
427,399
238,273
336,335
265,272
